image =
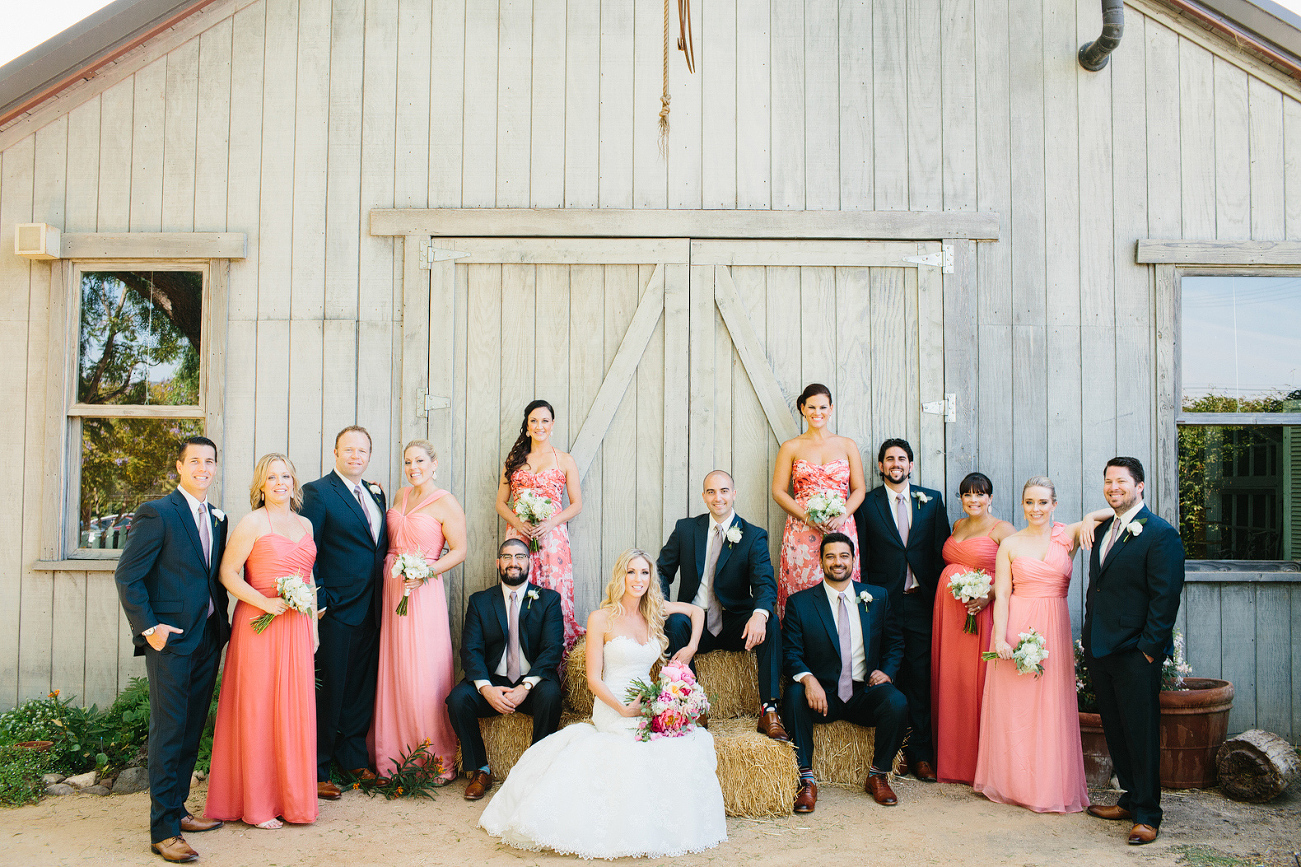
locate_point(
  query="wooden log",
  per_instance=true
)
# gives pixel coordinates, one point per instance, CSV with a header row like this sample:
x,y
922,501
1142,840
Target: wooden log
x,y
1256,766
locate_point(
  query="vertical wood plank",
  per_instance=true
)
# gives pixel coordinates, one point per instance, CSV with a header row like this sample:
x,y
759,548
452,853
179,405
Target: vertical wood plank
x,y
614,155
180,131
1265,139
271,422
1202,639
853,362
310,167
514,101
649,167
343,165
684,168
68,667
961,352
1291,168
817,308
753,104
438,344
677,335
890,104
248,31
516,347
115,158
1273,662
339,401
855,73
787,101
413,125
481,64
1133,291
701,456
911,365
958,98
1166,484
925,110
547,147
1232,154
890,371
1061,167
306,354
783,350
582,104
750,431
717,72
83,173
551,341
241,412
651,513
212,128
1197,139
994,446
1238,640
275,253
930,377
619,450
447,103
821,105
148,119
1029,250
483,414
586,371
457,471
377,345
1064,447
1163,131
377,286
102,615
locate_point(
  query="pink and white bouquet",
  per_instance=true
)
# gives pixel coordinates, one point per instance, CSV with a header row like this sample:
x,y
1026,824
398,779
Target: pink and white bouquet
x,y
533,508
824,506
967,588
299,594
672,705
1029,653
410,566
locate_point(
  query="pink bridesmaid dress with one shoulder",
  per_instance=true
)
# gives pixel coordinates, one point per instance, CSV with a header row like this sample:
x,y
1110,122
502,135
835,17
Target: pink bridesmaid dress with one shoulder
x,y
415,651
552,565
264,745
957,671
800,565
1030,752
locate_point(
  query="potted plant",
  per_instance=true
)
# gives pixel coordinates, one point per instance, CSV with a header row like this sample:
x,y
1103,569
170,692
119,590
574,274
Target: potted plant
x,y
1097,759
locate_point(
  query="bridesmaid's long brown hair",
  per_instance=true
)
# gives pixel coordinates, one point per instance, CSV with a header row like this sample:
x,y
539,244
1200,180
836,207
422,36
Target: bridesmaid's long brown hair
x,y
519,453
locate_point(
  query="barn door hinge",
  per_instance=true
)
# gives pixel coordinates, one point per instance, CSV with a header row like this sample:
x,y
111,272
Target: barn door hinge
x,y
939,259
429,254
947,407
426,401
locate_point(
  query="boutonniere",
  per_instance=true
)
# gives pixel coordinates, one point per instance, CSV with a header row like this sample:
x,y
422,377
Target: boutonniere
x,y
921,498
375,489
733,535
530,596
217,513
1134,528
865,598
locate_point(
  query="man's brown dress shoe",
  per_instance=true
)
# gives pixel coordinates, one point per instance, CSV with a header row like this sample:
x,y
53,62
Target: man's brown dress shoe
x,y
193,824
1140,834
770,724
902,769
328,790
174,849
878,786
807,798
480,783
366,775
1101,812
924,771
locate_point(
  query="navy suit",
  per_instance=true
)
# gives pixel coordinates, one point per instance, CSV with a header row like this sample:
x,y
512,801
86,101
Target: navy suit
x,y
1129,611
743,583
349,571
811,643
885,561
484,642
161,578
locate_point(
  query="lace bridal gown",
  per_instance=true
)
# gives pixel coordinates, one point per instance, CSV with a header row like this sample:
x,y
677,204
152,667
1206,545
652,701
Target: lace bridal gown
x,y
595,791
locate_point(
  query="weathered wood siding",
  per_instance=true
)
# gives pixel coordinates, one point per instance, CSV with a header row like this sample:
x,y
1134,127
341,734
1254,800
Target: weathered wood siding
x,y
290,119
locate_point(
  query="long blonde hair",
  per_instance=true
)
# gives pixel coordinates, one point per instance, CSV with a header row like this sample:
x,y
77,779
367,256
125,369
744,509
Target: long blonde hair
x,y
263,469
652,602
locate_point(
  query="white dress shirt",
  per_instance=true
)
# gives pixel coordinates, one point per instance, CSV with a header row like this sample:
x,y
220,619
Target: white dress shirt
x,y
705,594
368,505
858,652
521,592
1124,520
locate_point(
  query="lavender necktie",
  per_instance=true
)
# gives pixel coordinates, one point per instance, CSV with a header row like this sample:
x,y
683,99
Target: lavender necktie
x,y
356,490
901,520
714,612
845,686
205,534
512,646
1111,538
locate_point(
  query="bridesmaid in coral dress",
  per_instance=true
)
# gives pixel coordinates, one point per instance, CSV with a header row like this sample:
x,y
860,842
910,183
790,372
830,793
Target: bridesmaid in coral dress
x,y
533,463
264,746
415,649
1030,751
957,671
816,460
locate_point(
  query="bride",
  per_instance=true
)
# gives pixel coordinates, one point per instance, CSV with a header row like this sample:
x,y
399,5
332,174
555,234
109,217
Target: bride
x,y
593,790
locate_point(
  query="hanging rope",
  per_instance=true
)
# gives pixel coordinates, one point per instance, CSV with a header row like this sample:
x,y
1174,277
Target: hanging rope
x,y
664,97
685,42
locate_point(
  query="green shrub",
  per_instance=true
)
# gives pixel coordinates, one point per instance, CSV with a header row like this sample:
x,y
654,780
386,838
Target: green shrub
x,y
20,775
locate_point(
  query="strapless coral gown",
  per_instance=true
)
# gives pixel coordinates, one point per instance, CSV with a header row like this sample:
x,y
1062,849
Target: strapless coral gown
x,y
957,671
801,561
552,565
1030,751
415,652
264,745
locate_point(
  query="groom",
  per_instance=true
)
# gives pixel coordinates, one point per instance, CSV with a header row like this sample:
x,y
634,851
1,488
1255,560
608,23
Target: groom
x,y
726,570
168,582
511,646
347,515
901,533
1136,573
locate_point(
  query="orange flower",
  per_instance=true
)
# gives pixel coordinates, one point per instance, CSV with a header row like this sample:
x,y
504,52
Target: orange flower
x,y
54,694
399,790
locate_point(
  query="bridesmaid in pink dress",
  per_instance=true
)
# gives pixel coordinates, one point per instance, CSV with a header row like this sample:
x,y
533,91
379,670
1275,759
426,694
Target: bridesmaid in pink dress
x,y
534,464
957,671
264,746
1030,751
816,460
415,649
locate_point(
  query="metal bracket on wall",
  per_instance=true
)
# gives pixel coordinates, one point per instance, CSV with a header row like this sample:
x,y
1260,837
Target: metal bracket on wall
x,y
940,259
429,254
431,401
947,407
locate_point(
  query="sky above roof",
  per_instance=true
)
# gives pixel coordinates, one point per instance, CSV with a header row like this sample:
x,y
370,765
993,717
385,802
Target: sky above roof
x,y
30,24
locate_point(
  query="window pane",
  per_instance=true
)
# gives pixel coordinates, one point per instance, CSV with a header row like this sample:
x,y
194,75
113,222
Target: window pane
x,y
1240,492
139,338
124,462
1241,344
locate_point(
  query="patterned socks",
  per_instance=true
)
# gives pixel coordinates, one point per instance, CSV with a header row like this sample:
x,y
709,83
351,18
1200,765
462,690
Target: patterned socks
x,y
806,776
873,772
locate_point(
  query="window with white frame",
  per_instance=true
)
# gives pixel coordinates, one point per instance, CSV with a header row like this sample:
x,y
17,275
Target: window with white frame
x,y
1239,415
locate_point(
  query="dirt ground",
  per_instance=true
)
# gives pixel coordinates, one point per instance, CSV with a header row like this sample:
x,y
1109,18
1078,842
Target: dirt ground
x,y
933,824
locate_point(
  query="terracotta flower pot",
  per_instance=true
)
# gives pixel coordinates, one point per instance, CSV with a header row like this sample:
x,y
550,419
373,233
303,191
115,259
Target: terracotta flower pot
x,y
35,746
1097,760
1194,724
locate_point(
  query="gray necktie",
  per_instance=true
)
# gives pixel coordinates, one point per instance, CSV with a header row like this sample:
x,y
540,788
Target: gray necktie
x,y
356,490
714,613
845,686
1111,538
205,538
901,520
512,641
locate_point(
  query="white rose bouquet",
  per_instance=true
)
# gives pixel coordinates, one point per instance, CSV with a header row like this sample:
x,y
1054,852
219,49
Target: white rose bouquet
x,y
299,594
410,566
1029,654
824,506
967,588
533,508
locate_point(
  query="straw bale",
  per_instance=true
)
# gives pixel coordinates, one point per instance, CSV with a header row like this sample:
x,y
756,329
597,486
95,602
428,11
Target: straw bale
x,y
758,775
505,738
842,752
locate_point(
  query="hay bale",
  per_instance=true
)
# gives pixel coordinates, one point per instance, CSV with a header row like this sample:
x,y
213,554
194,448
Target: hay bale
x,y
842,752
578,698
758,775
505,738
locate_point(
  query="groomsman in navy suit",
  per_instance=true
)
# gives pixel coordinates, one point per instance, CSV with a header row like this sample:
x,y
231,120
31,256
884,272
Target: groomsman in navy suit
x,y
168,582
843,647
347,515
511,646
902,529
726,570
1136,573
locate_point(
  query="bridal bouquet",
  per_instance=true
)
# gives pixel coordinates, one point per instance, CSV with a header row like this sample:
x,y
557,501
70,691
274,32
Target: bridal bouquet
x,y
672,705
533,508
967,588
1029,654
410,566
298,593
824,506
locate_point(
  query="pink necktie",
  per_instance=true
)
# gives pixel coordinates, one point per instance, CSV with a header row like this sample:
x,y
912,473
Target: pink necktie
x,y
205,534
1112,537
845,686
901,519
512,646
356,490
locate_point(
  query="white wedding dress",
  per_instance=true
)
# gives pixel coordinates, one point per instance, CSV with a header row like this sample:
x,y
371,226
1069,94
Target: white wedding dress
x,y
595,791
